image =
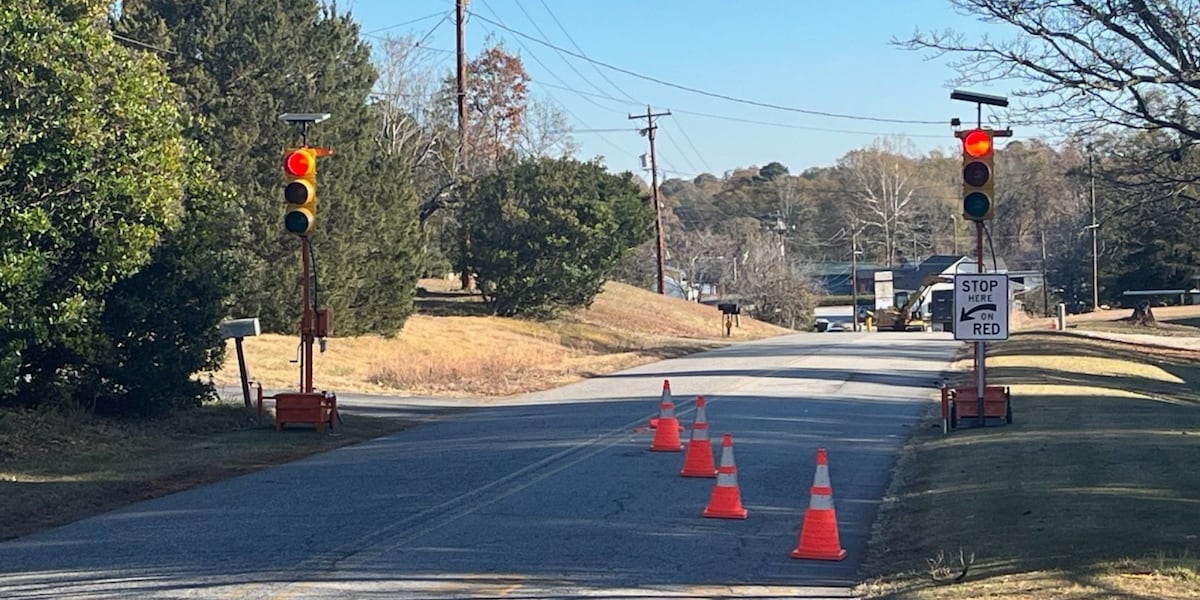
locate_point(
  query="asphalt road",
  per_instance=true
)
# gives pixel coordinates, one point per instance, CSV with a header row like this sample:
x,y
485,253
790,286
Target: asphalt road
x,y
546,495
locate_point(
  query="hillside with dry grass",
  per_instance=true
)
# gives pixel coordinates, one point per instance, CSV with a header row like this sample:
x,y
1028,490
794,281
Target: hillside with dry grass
x,y
451,347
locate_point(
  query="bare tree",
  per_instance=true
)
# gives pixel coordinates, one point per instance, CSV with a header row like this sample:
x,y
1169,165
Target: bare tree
x,y
881,183
406,97
406,85
705,256
780,291
1087,64
545,131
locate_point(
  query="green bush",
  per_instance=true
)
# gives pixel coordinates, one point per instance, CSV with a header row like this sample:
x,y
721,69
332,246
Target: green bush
x,y
546,233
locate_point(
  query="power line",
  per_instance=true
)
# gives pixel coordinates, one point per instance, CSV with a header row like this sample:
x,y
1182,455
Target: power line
x,y
584,95
688,139
581,52
678,149
410,22
412,44
611,130
444,19
804,127
590,94
552,74
705,92
568,63
750,121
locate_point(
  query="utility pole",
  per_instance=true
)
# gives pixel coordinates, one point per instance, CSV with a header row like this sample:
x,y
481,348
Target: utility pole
x,y
1095,232
460,10
648,131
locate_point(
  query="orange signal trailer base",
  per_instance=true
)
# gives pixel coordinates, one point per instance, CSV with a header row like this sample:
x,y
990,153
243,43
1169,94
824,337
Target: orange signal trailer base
x,y
960,406
312,408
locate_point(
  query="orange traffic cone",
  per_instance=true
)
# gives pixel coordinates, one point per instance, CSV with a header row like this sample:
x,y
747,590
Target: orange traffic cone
x,y
666,435
726,500
699,459
666,397
819,533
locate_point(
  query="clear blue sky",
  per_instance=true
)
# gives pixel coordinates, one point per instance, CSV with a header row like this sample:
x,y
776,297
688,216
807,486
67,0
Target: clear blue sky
x,y
814,55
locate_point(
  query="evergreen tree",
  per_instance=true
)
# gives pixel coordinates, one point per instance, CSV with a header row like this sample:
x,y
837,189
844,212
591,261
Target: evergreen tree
x,y
161,326
240,64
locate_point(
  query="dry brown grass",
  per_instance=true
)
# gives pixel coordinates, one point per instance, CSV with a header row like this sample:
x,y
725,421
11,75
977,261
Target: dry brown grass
x,y
494,356
1089,494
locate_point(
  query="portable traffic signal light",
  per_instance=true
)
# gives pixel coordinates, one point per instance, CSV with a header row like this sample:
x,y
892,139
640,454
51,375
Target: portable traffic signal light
x,y
300,167
978,176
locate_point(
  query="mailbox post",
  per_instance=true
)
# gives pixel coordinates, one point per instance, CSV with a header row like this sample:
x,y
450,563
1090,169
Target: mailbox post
x,y
729,311
238,329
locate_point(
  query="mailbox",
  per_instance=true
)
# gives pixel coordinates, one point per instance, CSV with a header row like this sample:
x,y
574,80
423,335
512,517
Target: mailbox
x,y
239,328
729,308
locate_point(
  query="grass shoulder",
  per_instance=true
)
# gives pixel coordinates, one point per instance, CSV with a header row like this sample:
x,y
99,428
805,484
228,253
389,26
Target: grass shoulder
x,y
1087,494
59,466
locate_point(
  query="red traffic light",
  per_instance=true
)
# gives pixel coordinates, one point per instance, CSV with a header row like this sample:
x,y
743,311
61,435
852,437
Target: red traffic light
x,y
978,143
299,163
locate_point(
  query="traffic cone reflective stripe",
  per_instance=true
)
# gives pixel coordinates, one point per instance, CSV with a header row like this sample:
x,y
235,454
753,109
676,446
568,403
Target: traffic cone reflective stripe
x,y
821,483
699,459
726,500
666,397
666,435
819,538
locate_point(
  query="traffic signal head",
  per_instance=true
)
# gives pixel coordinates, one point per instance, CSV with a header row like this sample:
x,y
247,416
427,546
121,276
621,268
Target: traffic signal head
x,y
978,152
300,168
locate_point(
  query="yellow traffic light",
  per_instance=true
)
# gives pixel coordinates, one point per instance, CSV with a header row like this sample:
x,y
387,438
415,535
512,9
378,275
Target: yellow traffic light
x,y
300,168
978,179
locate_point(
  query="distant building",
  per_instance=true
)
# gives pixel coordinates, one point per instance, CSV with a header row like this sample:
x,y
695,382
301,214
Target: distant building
x,y
835,277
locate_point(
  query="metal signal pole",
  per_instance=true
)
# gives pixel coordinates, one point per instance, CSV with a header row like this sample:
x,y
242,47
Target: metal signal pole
x,y
980,346
648,131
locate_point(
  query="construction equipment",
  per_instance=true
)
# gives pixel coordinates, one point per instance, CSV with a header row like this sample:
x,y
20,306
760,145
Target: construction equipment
x,y
905,312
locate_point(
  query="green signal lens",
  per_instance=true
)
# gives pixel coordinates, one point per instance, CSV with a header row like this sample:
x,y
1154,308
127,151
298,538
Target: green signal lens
x,y
297,221
976,205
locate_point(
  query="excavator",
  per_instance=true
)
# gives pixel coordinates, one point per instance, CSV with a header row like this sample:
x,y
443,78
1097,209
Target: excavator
x,y
905,313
